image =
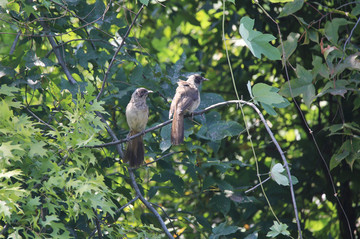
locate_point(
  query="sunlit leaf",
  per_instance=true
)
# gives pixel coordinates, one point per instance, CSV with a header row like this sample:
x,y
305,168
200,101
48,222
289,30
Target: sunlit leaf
x,y
277,229
291,8
276,174
257,42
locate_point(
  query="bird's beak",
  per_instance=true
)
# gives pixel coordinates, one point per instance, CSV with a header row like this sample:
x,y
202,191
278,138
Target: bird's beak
x,y
205,79
150,91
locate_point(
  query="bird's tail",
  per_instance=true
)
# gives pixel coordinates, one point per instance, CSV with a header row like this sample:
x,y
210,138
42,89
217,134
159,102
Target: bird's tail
x,y
135,151
177,129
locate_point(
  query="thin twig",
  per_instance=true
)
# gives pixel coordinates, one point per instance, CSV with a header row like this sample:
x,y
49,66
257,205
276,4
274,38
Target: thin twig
x,y
40,120
112,134
147,204
98,226
58,54
172,225
164,156
12,49
257,185
127,204
117,51
117,211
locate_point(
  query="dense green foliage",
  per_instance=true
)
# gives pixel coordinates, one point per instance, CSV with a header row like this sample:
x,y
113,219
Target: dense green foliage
x,y
55,57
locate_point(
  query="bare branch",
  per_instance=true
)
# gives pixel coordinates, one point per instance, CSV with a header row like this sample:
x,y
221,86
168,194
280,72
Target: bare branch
x,y
112,134
257,185
98,226
164,156
39,119
12,49
58,54
147,204
117,51
172,225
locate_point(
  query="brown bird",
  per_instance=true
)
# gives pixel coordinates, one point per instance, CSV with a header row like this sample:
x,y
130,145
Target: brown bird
x,y
137,113
186,100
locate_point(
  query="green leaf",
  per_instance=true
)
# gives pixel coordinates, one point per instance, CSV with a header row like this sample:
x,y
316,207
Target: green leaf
x,y
49,220
136,76
291,7
165,137
203,221
266,94
319,67
277,176
332,28
10,174
174,72
8,90
351,62
355,10
221,203
290,44
277,229
37,149
145,2
7,147
223,230
337,158
268,109
220,130
257,42
5,210
176,181
339,88
302,85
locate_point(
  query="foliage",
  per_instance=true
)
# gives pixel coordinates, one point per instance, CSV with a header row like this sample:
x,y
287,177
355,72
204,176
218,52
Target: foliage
x,y
57,56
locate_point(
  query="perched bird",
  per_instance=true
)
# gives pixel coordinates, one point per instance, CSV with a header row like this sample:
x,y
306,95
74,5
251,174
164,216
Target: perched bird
x,y
186,100
137,113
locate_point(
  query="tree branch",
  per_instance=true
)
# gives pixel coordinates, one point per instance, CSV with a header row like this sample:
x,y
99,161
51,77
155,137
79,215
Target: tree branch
x,y
12,49
98,226
147,204
58,53
253,188
117,51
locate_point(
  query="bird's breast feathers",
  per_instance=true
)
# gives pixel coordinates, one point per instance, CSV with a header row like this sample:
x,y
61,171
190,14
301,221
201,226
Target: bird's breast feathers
x,y
137,118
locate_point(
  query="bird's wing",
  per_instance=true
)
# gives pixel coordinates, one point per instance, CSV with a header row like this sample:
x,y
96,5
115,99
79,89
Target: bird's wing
x,y
189,94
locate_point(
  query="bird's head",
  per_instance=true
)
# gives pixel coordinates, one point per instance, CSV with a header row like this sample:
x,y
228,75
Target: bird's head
x,y
196,79
141,93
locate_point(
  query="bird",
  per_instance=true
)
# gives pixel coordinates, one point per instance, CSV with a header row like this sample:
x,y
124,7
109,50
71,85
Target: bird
x,y
137,114
186,100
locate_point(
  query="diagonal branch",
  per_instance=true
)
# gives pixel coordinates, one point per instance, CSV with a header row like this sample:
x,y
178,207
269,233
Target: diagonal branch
x,y
57,52
117,52
147,204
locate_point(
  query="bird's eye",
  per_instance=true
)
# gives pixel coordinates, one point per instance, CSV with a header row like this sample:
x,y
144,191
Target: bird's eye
x,y
142,92
197,79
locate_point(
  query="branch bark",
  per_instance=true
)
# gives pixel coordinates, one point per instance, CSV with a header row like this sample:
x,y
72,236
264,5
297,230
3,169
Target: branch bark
x,y
147,204
57,53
